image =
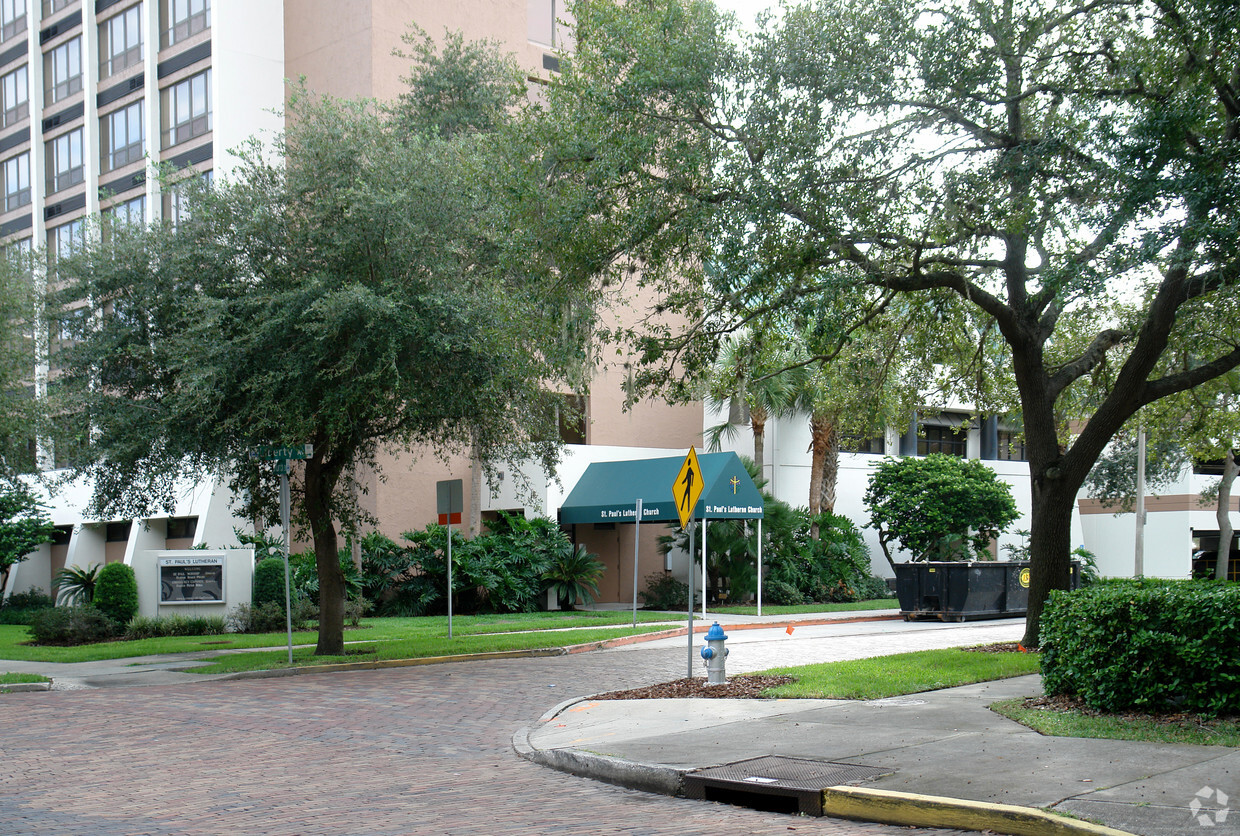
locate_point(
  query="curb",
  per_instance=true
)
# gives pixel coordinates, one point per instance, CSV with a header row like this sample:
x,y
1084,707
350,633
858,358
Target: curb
x,y
911,809
21,687
677,632
843,802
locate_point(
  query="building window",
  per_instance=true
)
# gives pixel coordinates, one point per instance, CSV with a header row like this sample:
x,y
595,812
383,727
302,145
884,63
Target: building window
x,y
127,213
65,240
14,97
183,18
64,161
12,18
177,202
935,438
16,173
50,7
873,444
121,138
118,532
540,22
186,109
1011,447
182,528
62,70
120,41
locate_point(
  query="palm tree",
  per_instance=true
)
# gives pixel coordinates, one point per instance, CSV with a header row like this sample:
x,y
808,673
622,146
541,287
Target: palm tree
x,y
748,373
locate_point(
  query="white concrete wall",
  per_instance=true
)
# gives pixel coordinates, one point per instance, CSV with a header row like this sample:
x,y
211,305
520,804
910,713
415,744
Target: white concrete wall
x,y
247,75
238,581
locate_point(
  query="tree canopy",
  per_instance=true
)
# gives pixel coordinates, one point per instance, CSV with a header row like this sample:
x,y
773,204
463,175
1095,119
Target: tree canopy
x,y
1045,190
24,526
344,287
939,507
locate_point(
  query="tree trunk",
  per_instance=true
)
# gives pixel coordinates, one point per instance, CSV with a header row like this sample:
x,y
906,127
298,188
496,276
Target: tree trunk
x,y
1050,545
820,431
475,490
830,471
327,559
1223,514
757,423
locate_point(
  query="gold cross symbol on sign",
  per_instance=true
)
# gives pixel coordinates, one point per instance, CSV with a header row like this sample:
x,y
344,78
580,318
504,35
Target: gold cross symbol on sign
x,y
735,482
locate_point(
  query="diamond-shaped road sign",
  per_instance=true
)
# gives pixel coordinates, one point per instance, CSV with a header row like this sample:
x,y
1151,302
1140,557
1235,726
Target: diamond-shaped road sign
x,y
687,487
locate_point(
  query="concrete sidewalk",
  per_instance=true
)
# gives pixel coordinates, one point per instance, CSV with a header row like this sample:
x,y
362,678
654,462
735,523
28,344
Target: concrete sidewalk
x,y
941,743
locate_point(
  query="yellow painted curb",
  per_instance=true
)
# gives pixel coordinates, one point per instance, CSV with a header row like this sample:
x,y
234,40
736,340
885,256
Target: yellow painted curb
x,y
885,807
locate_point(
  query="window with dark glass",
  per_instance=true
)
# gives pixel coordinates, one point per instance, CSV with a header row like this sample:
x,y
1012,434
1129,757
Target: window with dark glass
x,y
875,444
936,438
16,173
62,70
121,137
118,532
64,161
1011,447
50,7
182,528
186,109
12,18
120,41
183,18
14,97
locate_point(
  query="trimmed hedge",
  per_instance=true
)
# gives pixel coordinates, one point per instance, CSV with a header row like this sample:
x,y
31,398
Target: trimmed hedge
x,y
269,583
116,592
1145,645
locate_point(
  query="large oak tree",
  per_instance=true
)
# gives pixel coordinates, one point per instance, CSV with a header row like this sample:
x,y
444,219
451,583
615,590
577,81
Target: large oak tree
x,y
1065,175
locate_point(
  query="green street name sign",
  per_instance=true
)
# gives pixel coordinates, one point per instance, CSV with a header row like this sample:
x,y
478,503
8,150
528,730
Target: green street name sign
x,y
273,452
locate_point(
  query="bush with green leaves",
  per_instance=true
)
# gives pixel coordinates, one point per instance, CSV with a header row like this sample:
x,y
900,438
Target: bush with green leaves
x,y
829,569
20,607
76,584
938,507
71,626
260,618
116,592
1145,645
573,575
176,624
269,582
664,592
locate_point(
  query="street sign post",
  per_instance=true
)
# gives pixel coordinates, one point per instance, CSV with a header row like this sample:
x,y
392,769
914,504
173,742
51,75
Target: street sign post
x,y
450,502
281,454
686,490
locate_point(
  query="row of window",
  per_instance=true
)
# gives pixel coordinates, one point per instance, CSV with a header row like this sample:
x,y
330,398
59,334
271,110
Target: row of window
x,y
179,20
120,47
185,114
952,441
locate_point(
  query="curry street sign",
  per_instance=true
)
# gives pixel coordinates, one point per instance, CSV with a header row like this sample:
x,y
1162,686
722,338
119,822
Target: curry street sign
x,y
687,487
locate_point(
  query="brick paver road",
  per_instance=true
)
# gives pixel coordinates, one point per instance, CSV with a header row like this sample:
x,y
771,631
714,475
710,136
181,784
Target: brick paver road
x,y
422,750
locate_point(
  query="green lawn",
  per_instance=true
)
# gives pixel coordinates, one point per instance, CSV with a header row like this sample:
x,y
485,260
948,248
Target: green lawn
x,y
21,678
902,673
875,604
426,645
1197,731
493,630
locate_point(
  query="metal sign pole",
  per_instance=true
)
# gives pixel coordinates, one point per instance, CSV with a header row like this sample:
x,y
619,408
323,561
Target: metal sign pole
x,y
759,568
637,530
691,581
449,528
285,502
703,567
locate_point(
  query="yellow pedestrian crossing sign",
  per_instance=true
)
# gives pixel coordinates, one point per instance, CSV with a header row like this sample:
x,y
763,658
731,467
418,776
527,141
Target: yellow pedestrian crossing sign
x,y
687,487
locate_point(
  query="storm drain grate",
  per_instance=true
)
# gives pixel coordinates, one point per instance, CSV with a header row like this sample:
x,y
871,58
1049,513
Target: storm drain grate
x,y
774,783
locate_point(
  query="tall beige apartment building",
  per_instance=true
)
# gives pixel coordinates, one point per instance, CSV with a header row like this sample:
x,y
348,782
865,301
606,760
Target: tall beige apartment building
x,y
94,94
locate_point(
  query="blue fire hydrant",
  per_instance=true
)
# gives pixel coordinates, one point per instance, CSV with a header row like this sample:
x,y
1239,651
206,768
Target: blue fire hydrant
x,y
715,655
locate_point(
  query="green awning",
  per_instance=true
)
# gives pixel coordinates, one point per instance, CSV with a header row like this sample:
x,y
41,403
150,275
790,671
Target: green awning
x,y
608,491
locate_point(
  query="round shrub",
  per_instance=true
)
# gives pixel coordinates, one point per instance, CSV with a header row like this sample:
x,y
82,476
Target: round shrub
x,y
71,625
664,592
1145,645
116,592
269,583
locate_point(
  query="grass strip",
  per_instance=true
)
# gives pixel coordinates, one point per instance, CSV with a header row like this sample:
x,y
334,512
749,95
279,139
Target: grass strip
x,y
21,678
1072,723
903,673
13,637
420,648
796,609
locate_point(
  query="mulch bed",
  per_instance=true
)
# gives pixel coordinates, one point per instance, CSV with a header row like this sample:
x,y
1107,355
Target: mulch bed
x,y
738,687
1075,705
998,647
